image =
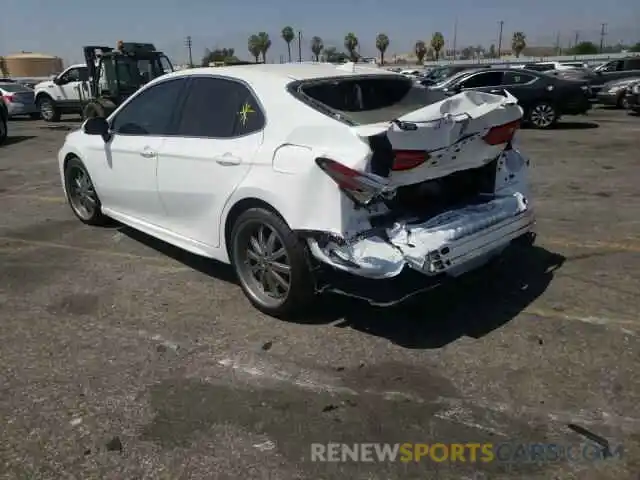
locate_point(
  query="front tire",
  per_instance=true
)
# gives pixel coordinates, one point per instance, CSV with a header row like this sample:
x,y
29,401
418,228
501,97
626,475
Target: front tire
x,y
271,263
81,194
48,109
543,116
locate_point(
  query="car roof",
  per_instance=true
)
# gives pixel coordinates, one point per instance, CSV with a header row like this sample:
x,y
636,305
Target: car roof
x,y
284,72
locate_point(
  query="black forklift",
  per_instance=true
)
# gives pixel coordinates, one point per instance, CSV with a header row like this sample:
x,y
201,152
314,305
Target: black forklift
x,y
116,74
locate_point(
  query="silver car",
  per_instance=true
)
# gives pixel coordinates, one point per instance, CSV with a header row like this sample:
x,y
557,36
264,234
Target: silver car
x,y
18,99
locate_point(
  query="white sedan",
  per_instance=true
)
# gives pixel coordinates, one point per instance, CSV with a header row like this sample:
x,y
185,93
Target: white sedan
x,y
298,174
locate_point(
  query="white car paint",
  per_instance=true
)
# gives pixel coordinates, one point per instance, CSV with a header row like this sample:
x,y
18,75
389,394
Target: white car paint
x,y
182,190
70,93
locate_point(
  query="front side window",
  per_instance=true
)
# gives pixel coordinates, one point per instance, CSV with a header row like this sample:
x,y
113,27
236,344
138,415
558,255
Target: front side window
x,y
79,74
152,111
219,108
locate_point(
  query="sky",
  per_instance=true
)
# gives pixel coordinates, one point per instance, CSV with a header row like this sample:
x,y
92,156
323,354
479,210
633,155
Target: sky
x,y
62,27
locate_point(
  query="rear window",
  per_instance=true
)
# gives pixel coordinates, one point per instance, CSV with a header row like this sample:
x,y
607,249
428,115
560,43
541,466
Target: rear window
x,y
367,100
13,87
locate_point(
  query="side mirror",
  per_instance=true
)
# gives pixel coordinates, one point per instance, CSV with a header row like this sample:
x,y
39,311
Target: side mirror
x,y
97,126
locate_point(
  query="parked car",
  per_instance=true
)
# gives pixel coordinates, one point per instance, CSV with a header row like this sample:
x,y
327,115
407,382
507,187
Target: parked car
x,y
549,66
633,97
439,74
4,121
18,99
306,173
615,93
64,93
615,70
544,98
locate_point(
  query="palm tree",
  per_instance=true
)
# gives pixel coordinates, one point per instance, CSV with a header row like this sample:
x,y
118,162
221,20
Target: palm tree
x,y
420,50
382,43
437,43
316,47
265,44
518,43
351,43
254,47
288,35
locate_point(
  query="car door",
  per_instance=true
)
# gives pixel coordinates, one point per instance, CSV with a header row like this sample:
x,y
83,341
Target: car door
x,y
219,132
124,168
489,81
71,85
522,85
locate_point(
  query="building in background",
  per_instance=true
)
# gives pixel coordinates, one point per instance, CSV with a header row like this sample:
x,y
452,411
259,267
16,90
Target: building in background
x,y
28,64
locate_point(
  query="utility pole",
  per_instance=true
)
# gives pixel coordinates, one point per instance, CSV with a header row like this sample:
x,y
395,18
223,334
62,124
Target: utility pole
x,y
603,32
501,22
188,44
575,41
455,37
558,43
299,46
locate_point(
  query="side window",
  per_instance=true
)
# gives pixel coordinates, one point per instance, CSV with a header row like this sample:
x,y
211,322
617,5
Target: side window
x,y
150,112
516,78
484,79
218,108
72,75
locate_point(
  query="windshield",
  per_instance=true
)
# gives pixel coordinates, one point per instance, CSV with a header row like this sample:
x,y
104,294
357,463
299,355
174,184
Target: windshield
x,y
13,87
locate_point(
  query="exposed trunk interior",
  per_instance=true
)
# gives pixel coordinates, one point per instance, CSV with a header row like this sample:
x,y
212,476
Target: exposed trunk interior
x,y
428,199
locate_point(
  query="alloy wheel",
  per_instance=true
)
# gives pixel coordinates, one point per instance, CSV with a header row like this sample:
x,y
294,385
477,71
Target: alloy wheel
x,y
543,115
46,109
82,194
262,263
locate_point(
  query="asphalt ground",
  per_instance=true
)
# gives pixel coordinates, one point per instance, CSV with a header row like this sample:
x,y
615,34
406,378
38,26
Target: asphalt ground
x,y
123,358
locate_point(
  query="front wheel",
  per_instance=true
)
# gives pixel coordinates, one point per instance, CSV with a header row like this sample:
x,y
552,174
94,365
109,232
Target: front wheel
x,y
543,115
81,194
271,263
48,109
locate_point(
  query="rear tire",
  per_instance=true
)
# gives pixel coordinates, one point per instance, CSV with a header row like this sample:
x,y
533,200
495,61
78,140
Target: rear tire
x,y
271,263
81,194
542,116
48,109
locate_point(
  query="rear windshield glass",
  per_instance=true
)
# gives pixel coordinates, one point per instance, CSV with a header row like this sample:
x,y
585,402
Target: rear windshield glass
x,y
369,100
13,87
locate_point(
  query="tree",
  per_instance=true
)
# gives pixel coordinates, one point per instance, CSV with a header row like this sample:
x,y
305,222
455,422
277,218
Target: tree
x,y
226,55
288,35
254,47
584,48
466,53
382,43
351,44
518,43
332,55
3,67
437,43
635,48
420,50
265,44
316,47
492,51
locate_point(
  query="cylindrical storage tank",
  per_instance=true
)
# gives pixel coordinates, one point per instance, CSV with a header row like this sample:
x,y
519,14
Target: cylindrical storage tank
x,y
32,65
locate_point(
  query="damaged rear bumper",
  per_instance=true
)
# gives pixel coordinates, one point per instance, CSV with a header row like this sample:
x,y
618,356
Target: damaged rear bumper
x,y
449,244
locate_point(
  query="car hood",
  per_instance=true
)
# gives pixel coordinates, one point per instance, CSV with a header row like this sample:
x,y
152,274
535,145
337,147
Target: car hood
x,y
44,84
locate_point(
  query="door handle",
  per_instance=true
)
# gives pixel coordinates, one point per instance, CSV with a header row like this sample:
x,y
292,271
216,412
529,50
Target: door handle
x,y
148,153
228,160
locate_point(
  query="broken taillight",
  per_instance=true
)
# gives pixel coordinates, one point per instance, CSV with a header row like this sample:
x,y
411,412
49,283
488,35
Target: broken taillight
x,y
408,159
360,187
502,133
